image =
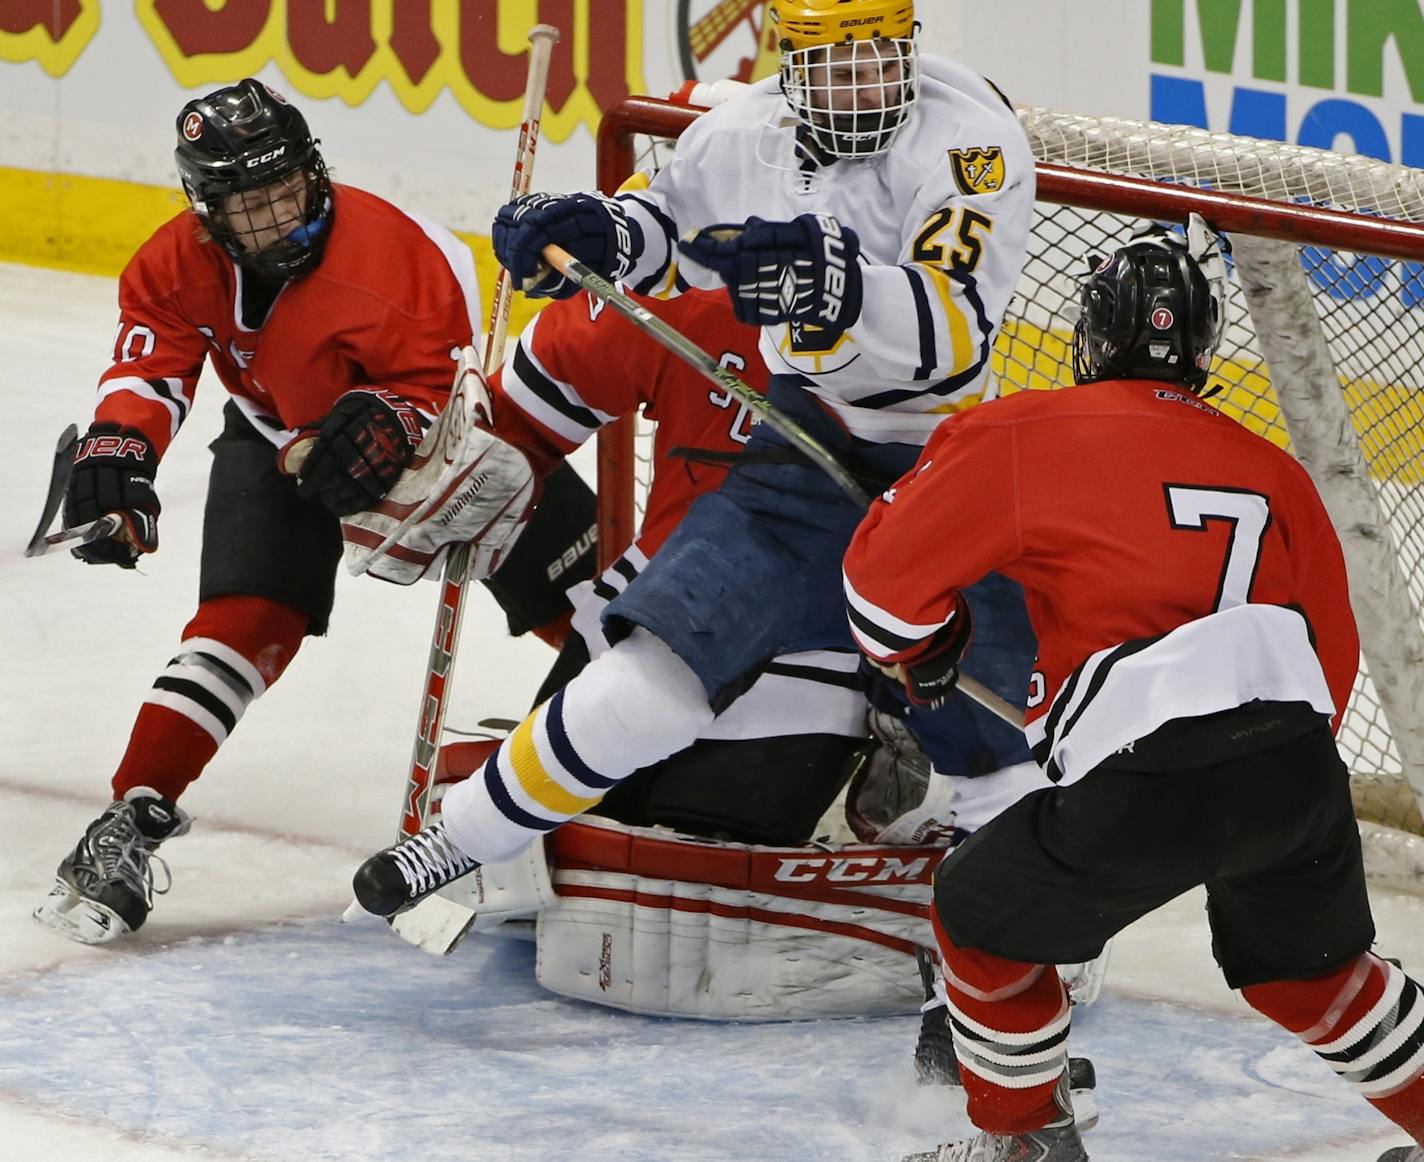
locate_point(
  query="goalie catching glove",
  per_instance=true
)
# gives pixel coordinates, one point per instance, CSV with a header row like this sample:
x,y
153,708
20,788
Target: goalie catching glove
x,y
464,485
803,271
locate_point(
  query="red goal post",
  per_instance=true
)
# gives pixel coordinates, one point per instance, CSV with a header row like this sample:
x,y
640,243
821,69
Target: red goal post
x,y
1323,356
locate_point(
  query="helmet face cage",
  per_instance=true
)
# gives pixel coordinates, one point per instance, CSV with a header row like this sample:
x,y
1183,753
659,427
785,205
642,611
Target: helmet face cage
x,y
1150,312
855,96
255,178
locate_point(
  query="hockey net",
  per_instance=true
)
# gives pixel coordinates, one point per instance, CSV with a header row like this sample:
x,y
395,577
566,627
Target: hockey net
x,y
1323,356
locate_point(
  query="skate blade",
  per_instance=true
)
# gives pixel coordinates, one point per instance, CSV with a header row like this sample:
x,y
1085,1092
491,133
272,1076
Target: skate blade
x,y
82,920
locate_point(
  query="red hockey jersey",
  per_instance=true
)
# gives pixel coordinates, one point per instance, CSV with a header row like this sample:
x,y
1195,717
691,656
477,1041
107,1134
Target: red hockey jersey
x,y
579,365
392,298
1175,564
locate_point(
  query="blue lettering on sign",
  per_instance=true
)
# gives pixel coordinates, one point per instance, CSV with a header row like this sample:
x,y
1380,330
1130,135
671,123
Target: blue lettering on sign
x,y
1260,113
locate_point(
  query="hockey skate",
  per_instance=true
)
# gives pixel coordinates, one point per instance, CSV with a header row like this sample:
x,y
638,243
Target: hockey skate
x,y
104,888
1056,1142
396,879
1403,1154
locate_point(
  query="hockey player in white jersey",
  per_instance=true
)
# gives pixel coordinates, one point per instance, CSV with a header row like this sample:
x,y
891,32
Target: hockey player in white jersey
x,y
869,209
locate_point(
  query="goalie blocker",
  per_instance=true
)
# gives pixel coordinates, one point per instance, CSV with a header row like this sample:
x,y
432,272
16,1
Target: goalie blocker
x,y
464,484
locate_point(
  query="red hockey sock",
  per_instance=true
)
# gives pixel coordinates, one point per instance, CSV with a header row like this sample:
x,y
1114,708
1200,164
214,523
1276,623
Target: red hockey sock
x,y
233,649
1010,1027
1366,1021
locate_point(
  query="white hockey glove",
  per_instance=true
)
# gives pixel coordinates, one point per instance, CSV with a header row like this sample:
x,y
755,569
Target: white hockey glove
x,y
464,484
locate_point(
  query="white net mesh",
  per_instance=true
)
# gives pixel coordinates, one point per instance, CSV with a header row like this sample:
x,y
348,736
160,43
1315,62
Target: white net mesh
x,y
1368,309
1369,312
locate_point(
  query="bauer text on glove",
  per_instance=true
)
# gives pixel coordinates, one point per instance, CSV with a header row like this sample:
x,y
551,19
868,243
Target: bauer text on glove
x,y
803,271
114,469
592,228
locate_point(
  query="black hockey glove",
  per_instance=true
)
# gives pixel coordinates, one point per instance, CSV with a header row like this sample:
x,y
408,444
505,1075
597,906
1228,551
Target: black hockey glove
x,y
592,228
114,469
361,447
803,271
931,675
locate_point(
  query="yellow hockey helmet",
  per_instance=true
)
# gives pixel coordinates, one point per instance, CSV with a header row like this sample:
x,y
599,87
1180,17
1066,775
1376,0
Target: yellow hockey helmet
x,y
809,23
849,70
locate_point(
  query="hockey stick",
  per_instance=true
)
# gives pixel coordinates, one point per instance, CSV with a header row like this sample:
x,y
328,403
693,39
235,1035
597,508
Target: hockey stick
x,y
442,931
684,348
60,472
86,534
80,535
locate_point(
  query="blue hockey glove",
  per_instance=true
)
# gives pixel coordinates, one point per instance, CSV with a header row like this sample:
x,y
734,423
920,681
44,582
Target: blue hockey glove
x,y
804,271
592,228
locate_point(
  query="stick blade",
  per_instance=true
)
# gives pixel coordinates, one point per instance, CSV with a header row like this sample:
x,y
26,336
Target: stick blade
x,y
59,474
435,925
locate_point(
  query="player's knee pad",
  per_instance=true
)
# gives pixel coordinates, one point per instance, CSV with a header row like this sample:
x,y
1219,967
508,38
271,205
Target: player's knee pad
x,y
764,790
637,703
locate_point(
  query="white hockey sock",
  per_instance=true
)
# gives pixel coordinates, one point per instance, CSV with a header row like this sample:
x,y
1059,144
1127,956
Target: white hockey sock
x,y
209,683
629,708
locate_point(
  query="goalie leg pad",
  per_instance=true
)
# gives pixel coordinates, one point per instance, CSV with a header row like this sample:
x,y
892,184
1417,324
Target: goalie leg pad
x,y
653,922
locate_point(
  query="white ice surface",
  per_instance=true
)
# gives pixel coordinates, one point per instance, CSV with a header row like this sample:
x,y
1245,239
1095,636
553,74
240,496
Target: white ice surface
x,y
244,1022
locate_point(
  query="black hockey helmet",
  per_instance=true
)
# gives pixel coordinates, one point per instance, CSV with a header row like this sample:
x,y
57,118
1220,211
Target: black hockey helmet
x,y
246,139
1153,310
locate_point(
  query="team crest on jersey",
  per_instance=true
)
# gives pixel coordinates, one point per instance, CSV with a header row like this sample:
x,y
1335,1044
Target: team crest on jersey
x,y
979,170
810,339
816,350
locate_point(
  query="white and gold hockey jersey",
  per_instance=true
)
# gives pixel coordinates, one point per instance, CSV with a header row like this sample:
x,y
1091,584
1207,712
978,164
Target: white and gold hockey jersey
x,y
943,220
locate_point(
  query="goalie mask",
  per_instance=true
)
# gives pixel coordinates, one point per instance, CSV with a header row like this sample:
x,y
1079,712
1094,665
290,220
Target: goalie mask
x,y
1154,310
848,70
255,178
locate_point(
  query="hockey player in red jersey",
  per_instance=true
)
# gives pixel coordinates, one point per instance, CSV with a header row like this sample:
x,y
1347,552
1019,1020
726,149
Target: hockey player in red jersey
x,y
1196,649
326,312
